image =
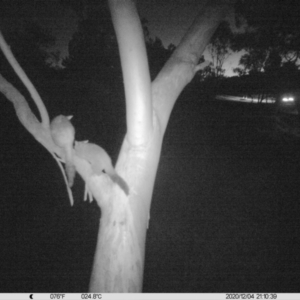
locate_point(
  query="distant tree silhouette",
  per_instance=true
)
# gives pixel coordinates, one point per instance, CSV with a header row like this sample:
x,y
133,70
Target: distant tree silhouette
x,y
219,48
93,47
272,42
278,29
269,38
157,53
30,43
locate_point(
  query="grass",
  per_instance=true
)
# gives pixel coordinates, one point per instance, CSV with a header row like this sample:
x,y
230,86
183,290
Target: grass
x,y
225,213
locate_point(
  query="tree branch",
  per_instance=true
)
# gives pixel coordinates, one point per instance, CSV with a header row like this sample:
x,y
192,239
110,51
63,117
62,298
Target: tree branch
x,y
22,75
182,65
135,70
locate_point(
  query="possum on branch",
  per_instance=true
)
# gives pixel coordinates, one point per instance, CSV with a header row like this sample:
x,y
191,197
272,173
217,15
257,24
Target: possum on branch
x,y
63,134
100,162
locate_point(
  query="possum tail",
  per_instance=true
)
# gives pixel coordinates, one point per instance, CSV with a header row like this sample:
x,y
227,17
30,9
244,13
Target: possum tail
x,y
119,181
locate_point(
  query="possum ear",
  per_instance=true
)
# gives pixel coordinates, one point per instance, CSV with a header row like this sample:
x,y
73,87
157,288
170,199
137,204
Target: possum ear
x,y
69,117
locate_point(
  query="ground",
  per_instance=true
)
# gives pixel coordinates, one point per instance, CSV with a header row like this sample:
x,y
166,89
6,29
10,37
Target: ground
x,y
224,217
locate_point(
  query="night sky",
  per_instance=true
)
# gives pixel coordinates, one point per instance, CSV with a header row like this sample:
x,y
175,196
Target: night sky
x,y
225,210
168,20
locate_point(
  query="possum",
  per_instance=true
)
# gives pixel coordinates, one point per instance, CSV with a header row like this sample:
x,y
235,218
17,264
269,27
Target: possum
x,y
63,134
100,162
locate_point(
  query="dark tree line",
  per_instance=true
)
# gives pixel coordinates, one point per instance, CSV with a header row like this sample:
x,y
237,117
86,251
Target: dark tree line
x,y
93,49
269,34
270,38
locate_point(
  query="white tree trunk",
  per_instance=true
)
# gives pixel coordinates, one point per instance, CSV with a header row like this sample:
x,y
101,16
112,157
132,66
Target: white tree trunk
x,y
119,258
